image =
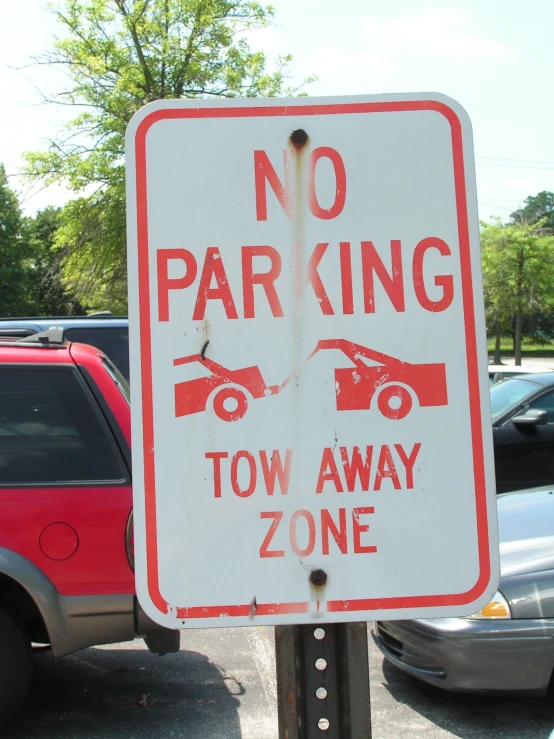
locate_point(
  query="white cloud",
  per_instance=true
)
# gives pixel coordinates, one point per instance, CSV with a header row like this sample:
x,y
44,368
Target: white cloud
x,y
429,49
445,32
330,59
522,181
269,40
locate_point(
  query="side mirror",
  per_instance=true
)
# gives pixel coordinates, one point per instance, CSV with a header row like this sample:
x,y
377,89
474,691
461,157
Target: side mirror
x,y
533,417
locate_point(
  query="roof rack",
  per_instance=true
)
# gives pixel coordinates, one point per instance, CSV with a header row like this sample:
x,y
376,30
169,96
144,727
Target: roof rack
x,y
53,338
53,335
30,319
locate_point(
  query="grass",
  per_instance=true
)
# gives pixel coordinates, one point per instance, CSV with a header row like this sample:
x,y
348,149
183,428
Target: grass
x,y
528,348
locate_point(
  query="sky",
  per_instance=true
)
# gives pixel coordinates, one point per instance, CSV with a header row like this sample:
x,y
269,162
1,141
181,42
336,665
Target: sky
x,y
495,58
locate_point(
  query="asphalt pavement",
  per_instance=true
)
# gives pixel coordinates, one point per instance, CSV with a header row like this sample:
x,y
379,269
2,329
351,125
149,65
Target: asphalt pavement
x,y
221,685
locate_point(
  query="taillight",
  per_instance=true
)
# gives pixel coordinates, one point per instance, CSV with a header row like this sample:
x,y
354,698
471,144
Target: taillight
x,y
130,541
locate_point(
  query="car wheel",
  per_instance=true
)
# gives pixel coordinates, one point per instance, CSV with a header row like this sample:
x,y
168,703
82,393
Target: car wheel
x,y
16,665
233,410
395,402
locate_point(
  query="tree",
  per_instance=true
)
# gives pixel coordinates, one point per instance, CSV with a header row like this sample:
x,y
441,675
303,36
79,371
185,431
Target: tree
x,y
537,208
539,326
119,55
518,274
13,252
46,292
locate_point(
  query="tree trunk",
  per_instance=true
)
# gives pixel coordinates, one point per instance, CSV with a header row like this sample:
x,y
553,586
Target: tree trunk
x,y
517,342
497,343
519,308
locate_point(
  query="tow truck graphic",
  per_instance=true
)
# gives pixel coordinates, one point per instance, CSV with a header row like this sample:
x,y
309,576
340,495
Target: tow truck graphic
x,y
394,383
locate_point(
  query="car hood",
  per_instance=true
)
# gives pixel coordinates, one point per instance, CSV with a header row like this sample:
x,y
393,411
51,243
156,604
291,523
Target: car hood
x,y
526,531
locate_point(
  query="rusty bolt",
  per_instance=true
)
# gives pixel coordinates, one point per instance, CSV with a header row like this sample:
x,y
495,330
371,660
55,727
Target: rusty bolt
x,y
299,137
318,578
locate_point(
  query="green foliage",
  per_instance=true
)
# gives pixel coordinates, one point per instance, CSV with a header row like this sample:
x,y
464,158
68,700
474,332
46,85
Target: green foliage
x,y
46,292
539,326
13,252
538,208
119,55
31,282
518,273
92,232
518,268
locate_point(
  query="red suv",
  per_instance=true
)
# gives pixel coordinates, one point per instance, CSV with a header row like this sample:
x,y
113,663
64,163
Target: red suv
x,y
66,576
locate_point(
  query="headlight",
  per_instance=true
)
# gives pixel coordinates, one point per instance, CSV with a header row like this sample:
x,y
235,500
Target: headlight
x,y
496,608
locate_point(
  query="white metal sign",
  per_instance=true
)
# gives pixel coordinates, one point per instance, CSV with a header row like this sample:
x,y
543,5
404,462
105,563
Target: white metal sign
x,y
311,428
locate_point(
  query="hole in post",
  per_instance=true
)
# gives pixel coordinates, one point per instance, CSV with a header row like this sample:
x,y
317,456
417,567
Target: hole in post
x,y
321,693
319,633
321,664
323,724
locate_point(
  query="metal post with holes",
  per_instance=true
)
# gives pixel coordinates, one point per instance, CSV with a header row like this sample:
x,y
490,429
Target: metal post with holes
x,y
323,681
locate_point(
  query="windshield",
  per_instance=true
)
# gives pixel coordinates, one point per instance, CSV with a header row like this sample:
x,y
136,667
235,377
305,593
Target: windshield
x,y
508,392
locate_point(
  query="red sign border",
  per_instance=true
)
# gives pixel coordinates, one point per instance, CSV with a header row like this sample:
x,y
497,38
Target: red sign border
x,y
336,606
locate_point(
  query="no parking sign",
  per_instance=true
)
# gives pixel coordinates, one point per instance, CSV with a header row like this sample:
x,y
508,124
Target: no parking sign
x,y
311,430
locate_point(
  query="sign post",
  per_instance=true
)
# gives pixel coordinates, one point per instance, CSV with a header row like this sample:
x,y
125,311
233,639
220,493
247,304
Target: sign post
x,y
311,431
323,681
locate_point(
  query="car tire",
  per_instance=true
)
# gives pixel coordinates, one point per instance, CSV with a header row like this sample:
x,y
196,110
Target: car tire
x,y
16,665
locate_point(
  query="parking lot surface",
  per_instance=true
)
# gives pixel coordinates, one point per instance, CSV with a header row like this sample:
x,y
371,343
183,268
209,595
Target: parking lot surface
x,y
222,686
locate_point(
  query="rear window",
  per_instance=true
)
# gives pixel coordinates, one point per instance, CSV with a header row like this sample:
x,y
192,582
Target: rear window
x,y
113,342
51,431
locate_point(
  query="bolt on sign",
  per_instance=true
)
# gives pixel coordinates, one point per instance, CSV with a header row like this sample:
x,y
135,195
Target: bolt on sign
x,y
311,427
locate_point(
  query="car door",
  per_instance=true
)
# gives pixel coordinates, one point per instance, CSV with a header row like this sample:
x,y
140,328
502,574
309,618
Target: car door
x,y
65,491
524,454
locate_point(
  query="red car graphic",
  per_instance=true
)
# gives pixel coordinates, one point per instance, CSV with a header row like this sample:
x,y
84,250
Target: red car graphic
x,y
395,383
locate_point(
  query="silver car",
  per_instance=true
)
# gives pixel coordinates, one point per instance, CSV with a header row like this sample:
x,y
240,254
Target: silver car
x,y
508,647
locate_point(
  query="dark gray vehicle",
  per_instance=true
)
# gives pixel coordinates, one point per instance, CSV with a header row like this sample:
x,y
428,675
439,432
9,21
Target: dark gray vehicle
x,y
523,431
106,332
508,647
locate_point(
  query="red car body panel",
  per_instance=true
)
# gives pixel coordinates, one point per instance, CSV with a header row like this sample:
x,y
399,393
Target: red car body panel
x,y
99,517
98,514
